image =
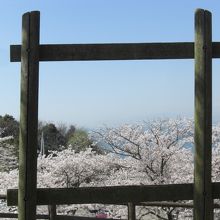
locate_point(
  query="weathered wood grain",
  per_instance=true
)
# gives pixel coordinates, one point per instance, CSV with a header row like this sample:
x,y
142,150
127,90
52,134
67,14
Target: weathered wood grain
x,y
132,51
109,195
203,201
52,212
113,194
28,116
131,211
15,215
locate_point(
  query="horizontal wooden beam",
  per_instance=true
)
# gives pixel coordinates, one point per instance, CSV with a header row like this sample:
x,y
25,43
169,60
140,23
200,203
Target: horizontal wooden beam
x,y
58,217
69,217
172,204
15,215
130,51
3,196
112,194
108,195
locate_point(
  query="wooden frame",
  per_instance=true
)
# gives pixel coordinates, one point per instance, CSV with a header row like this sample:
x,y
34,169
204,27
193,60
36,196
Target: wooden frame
x,y
203,200
203,191
28,116
132,51
120,195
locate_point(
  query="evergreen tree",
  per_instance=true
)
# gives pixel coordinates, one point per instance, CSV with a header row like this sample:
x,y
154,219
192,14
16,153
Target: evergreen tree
x,y
53,139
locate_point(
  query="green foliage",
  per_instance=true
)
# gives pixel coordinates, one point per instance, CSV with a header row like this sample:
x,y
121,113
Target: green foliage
x,y
70,132
10,127
53,139
79,140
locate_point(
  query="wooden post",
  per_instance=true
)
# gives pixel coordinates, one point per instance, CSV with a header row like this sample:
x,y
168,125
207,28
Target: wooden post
x,y
131,211
203,202
28,116
52,212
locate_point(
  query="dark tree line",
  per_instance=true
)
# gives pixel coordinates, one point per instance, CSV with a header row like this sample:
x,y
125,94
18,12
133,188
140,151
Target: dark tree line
x,y
56,137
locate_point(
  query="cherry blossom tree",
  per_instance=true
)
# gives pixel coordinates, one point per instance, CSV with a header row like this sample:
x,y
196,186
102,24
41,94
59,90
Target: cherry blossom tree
x,y
159,154
156,152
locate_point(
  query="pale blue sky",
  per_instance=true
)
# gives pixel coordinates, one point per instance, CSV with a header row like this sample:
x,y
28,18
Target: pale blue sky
x,y
90,94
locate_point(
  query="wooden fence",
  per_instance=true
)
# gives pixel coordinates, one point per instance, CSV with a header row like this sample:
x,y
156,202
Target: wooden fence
x,y
30,53
131,211
117,195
